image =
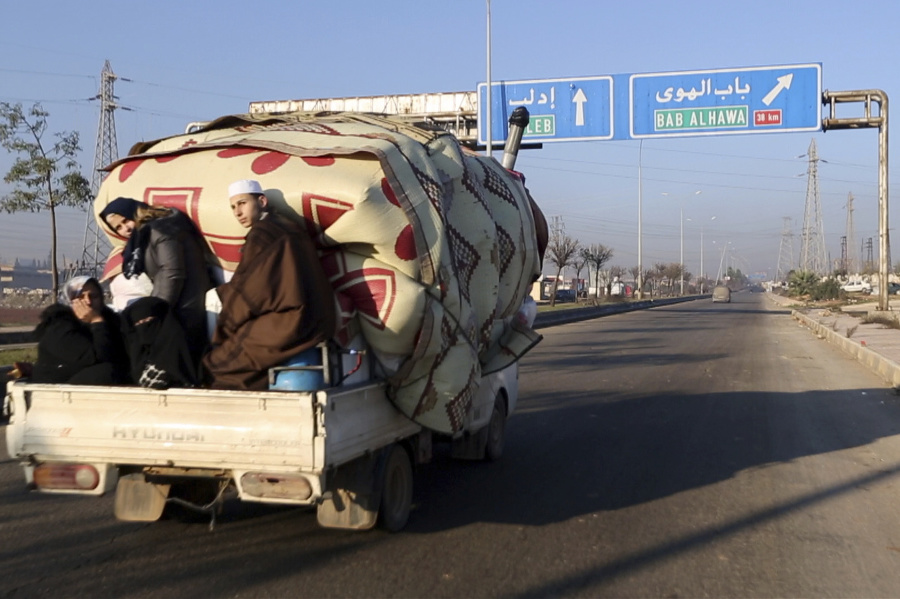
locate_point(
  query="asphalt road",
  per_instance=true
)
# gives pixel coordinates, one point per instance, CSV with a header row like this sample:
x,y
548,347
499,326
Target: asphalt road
x,y
685,451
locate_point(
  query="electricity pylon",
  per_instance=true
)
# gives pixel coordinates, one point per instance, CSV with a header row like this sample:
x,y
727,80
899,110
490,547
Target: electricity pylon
x,y
812,254
96,245
785,252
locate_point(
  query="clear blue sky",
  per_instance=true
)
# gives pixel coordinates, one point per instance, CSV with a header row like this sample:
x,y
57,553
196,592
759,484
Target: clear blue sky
x,y
185,61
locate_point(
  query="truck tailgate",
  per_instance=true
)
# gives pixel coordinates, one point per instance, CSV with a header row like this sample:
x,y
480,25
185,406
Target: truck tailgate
x,y
198,428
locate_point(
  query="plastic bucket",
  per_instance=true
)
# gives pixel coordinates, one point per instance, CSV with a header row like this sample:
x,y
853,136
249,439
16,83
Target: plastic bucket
x,y
303,372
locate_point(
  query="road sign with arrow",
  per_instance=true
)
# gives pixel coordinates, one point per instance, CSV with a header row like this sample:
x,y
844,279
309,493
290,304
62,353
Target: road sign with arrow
x,y
775,99
725,101
576,109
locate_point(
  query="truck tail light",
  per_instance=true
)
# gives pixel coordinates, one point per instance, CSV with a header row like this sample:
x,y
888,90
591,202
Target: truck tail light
x,y
276,485
79,477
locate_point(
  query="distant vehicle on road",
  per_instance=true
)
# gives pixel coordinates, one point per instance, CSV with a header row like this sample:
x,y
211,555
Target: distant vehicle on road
x,y
857,287
721,293
565,295
893,289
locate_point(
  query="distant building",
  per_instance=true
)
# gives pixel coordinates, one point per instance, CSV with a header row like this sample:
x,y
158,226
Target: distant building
x,y
19,276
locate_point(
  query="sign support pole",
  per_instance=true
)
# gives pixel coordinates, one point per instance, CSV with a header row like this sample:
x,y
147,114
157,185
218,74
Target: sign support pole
x,y
490,141
867,97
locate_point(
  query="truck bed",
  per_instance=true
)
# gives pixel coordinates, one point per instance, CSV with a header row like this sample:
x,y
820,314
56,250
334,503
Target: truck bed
x,y
202,428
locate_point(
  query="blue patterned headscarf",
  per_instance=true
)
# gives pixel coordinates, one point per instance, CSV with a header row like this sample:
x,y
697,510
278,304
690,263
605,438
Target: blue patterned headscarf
x,y
74,287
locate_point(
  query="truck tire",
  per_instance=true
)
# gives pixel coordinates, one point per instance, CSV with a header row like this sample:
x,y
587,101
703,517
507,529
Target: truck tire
x,y
396,490
496,430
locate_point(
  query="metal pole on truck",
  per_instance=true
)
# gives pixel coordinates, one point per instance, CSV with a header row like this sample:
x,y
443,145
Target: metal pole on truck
x,y
518,122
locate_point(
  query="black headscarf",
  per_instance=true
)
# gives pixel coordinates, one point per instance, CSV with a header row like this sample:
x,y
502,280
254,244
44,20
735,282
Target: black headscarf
x,y
124,207
133,255
157,345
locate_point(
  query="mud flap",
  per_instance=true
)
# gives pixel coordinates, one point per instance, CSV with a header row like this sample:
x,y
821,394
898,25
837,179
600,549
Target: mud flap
x,y
353,499
138,500
470,446
345,509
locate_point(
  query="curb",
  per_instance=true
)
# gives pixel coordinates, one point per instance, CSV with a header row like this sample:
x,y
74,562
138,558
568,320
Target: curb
x,y
18,337
884,367
552,319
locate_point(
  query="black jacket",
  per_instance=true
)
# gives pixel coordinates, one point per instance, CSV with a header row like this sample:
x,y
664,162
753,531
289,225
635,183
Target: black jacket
x,y
70,351
175,260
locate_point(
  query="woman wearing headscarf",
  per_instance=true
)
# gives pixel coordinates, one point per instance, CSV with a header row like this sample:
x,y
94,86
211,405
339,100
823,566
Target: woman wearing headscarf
x,y
166,245
79,339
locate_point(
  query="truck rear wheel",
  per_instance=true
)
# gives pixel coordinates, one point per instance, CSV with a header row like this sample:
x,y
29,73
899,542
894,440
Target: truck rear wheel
x,y
496,433
396,490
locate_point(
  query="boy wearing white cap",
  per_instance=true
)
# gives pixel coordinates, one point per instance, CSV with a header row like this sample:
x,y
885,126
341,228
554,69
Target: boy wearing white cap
x,y
249,203
279,301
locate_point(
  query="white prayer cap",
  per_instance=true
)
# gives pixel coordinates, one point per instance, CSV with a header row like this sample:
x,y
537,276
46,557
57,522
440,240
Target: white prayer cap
x,y
244,186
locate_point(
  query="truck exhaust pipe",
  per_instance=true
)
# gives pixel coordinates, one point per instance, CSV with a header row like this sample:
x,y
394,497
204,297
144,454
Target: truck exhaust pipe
x,y
518,121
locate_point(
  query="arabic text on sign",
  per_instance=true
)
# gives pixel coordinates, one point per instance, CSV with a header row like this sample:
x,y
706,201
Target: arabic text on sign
x,y
670,94
542,99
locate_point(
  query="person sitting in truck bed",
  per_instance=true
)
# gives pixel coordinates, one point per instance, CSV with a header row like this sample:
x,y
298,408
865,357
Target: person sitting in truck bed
x,y
279,301
80,339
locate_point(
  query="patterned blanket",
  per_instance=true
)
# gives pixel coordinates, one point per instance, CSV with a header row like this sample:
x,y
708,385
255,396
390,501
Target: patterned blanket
x,y
430,248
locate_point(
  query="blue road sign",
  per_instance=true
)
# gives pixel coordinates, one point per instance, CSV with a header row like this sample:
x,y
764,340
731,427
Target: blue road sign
x,y
577,109
774,99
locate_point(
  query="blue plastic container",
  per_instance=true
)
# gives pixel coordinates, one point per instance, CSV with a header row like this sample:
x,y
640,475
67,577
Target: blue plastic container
x,y
298,378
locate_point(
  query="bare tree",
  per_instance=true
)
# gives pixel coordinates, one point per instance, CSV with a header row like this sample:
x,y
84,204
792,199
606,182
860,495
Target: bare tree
x,y
578,262
45,175
597,255
672,272
660,275
652,278
561,250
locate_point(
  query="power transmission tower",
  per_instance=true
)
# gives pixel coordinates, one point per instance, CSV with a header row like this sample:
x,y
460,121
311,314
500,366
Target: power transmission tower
x,y
96,245
812,254
557,231
850,264
785,252
870,260
842,263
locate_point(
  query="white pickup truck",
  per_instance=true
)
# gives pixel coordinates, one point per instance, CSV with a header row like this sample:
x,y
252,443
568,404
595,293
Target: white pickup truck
x,y
345,450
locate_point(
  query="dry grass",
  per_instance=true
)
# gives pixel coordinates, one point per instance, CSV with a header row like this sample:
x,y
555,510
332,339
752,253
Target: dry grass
x,y
888,322
27,354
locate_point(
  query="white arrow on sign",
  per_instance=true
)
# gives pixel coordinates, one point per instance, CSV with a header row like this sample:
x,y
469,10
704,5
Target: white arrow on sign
x,y
784,82
579,100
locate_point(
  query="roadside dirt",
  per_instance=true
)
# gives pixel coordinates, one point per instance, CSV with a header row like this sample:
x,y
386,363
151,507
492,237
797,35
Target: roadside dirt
x,y
13,317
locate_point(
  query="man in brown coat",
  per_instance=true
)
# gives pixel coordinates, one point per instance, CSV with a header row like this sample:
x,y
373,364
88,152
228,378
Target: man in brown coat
x,y
278,303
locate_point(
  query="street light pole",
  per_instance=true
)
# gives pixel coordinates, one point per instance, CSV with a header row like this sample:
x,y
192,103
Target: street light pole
x,y
701,258
640,279
681,263
682,250
702,226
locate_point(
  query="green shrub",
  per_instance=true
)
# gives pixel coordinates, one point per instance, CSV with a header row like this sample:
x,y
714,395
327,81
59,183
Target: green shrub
x,y
828,289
